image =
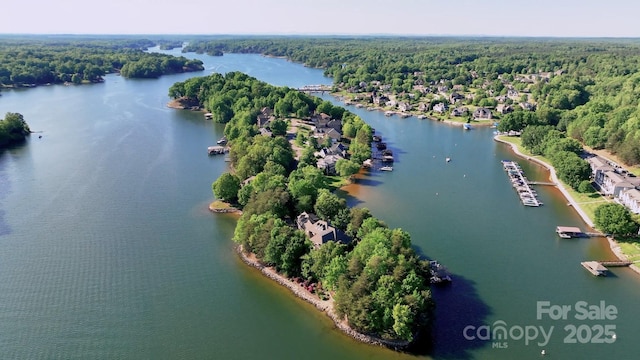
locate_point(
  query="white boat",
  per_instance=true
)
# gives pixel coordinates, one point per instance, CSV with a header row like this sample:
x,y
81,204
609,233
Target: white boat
x,y
448,159
386,168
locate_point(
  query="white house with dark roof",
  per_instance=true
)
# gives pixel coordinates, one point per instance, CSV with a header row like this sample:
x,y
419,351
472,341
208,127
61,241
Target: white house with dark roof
x,y
631,199
320,231
599,167
614,183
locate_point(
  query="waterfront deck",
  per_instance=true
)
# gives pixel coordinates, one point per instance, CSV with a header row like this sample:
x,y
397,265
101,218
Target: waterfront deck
x,y
520,183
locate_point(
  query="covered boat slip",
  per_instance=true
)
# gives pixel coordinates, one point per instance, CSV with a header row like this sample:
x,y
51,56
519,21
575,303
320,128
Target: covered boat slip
x,y
567,232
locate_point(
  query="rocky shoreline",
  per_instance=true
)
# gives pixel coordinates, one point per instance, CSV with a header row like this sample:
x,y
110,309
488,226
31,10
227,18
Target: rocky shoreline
x,y
322,305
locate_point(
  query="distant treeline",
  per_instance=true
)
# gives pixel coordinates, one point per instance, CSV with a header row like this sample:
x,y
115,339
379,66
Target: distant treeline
x,y
38,61
592,94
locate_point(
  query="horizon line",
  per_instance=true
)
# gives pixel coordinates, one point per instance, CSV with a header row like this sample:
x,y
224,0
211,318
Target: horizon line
x,y
390,35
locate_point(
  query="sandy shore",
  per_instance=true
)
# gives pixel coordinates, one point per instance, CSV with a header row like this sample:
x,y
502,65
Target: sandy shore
x,y
615,247
325,306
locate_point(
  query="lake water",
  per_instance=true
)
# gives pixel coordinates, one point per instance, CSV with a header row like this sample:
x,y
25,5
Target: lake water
x,y
109,252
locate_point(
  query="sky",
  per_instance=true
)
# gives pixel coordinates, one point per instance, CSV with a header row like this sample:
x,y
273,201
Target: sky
x,y
556,18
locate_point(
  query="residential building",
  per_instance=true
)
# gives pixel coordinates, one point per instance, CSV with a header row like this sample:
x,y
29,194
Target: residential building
x,y
440,107
614,183
631,199
482,114
320,231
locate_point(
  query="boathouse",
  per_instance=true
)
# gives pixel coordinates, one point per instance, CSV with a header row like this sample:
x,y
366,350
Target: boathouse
x,y
568,232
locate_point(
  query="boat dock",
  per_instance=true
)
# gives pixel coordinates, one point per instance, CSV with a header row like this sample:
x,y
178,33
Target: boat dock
x,y
568,232
217,150
599,268
520,183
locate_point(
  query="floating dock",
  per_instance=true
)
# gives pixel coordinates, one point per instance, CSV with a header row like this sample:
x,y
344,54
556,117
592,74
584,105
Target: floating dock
x,y
520,183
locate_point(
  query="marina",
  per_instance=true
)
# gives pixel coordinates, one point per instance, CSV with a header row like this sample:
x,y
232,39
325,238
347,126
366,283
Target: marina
x,y
520,183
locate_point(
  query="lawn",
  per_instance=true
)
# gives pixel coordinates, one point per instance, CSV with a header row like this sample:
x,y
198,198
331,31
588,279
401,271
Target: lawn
x,y
631,248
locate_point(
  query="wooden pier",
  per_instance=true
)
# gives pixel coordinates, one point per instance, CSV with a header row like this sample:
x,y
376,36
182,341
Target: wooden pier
x,y
616,263
541,183
520,183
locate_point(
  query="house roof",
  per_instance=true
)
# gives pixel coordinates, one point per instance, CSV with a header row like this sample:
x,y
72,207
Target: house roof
x,y
633,194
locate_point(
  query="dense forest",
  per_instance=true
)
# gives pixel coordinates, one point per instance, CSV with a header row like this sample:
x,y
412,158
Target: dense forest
x,y
587,88
38,61
13,129
377,280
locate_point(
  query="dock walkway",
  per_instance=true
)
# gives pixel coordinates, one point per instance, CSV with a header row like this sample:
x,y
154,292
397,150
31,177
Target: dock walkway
x,y
520,183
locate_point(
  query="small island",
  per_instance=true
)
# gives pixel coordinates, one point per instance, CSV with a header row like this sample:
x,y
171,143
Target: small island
x,y
289,151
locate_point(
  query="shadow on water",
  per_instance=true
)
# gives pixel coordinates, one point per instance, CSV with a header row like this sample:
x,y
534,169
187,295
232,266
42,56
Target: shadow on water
x,y
352,201
457,306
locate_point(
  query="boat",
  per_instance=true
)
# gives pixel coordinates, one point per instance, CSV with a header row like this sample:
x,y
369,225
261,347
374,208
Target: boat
x,y
208,116
386,168
381,145
222,141
439,274
376,138
466,126
448,159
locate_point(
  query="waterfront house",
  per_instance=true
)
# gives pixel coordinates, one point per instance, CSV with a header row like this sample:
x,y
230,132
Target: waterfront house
x,y
504,109
614,183
598,168
459,111
403,106
631,199
336,149
482,114
440,107
328,164
320,231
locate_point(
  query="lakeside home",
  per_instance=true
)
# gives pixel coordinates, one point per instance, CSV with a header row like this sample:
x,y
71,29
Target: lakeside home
x,y
320,231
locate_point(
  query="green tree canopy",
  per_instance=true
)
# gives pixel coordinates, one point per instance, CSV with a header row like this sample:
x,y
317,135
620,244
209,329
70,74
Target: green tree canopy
x,y
615,219
226,187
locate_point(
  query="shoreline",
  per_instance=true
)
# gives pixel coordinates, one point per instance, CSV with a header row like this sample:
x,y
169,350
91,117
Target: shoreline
x,y
325,306
613,245
460,123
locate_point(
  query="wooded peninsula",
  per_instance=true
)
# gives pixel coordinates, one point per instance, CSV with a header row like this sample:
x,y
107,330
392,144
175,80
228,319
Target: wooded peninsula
x,y
291,219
